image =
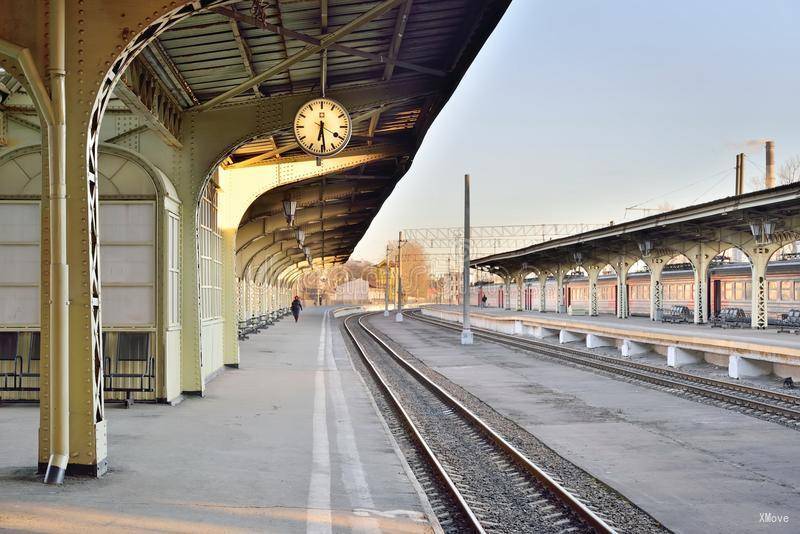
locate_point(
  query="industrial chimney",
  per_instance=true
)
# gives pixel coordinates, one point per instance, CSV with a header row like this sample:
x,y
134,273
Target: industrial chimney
x,y
769,180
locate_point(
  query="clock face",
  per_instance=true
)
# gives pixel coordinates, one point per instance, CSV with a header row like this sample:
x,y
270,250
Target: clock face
x,y
322,127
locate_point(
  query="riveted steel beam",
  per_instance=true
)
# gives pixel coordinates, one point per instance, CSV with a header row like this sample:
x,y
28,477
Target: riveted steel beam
x,y
389,60
244,50
145,95
309,50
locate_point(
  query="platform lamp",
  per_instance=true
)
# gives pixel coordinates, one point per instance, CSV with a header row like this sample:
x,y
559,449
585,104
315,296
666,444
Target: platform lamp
x,y
762,231
645,247
289,210
578,257
301,237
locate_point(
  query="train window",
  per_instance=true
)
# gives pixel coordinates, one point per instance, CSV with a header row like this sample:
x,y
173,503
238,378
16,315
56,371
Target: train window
x,y
133,346
797,291
8,345
739,295
748,290
773,290
727,290
786,290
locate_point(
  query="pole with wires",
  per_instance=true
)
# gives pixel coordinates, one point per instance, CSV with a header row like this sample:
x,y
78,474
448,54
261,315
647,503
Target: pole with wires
x,y
386,297
466,333
399,315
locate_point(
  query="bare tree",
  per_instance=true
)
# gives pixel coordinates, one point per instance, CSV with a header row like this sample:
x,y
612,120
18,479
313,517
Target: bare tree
x,y
756,183
790,171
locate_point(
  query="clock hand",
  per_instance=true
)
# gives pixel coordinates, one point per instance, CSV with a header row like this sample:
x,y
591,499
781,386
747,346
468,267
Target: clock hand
x,y
321,126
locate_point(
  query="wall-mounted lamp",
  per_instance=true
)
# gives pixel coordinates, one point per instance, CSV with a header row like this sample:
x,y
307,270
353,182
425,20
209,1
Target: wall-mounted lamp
x,y
578,257
289,210
301,237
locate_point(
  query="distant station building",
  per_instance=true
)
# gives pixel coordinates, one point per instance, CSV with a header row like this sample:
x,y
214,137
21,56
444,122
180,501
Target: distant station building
x,y
357,292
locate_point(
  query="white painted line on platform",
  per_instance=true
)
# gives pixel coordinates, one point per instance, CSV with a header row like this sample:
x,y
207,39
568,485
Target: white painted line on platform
x,y
318,518
353,477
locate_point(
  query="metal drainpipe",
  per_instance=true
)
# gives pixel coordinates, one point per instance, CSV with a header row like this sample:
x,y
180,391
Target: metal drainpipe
x,y
59,270
52,113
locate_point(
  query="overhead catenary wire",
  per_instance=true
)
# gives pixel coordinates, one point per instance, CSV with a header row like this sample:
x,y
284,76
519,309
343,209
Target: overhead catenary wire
x,y
704,193
682,188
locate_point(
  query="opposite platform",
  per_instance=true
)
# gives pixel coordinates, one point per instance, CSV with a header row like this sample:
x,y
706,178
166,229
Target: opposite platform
x,y
289,442
744,351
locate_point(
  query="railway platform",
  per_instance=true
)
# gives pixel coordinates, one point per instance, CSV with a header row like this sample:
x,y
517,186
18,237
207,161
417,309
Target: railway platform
x,y
288,442
743,352
693,466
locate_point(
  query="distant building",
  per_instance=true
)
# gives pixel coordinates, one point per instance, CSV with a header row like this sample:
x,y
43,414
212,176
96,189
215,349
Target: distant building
x,y
357,292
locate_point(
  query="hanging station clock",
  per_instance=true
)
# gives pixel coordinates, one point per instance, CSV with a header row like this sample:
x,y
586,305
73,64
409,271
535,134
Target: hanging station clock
x,y
322,127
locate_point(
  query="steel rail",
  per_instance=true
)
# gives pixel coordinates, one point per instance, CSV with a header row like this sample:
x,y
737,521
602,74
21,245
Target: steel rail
x,y
416,435
574,504
670,378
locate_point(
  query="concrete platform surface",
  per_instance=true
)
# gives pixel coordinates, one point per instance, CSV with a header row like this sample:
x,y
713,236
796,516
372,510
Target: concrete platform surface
x,y
768,337
289,442
696,468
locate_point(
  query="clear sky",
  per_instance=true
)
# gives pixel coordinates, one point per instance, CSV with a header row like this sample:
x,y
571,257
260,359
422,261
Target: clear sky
x,y
575,110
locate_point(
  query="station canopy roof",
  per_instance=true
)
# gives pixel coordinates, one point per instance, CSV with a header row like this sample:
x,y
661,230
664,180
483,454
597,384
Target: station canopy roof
x,y
710,222
432,42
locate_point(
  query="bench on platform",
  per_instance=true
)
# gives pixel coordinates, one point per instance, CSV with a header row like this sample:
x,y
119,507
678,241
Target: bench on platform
x,y
132,351
12,378
790,322
730,318
678,314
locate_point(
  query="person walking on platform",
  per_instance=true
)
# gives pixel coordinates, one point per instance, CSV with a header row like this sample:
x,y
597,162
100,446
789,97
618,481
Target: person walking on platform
x,y
296,307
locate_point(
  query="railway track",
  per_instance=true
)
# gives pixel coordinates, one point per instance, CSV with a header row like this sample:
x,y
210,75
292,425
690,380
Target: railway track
x,y
770,404
494,486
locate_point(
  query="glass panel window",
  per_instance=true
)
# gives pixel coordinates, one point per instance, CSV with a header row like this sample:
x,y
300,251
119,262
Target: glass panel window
x,y
210,255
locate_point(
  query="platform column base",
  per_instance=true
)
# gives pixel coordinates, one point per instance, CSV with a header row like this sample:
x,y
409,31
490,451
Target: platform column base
x,y
594,341
466,337
398,318
678,357
739,366
78,470
565,336
634,348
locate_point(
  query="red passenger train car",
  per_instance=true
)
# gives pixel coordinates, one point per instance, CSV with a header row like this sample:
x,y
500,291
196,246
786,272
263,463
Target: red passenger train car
x,y
730,286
